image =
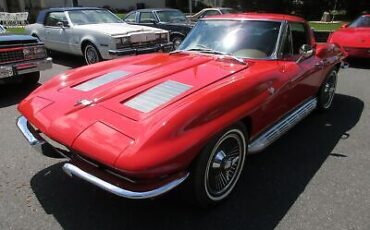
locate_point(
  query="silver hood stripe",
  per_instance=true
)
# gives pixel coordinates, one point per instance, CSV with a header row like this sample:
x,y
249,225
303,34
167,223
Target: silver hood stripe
x,y
100,81
157,96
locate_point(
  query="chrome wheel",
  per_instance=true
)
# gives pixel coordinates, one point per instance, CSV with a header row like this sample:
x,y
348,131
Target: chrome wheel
x,y
91,54
176,42
225,165
328,90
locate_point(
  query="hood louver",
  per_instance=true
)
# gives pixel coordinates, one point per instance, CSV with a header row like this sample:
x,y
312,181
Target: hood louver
x,y
100,81
157,96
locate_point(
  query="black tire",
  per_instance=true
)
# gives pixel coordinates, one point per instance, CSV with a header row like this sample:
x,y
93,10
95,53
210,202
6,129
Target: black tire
x,y
31,78
219,166
176,41
91,54
327,91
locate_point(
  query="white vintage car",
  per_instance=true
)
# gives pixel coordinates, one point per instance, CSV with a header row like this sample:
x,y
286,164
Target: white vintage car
x,y
95,33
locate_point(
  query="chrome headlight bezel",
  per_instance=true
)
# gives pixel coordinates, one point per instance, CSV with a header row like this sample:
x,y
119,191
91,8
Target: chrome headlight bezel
x,y
122,42
34,52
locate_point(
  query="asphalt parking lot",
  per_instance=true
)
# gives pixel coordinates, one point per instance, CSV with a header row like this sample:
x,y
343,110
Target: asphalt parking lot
x,y
315,177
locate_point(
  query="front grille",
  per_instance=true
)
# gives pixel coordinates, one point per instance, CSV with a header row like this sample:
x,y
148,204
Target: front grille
x,y
11,56
146,44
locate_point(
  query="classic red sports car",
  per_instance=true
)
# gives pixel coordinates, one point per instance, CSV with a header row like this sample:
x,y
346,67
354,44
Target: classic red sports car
x,y
139,126
354,37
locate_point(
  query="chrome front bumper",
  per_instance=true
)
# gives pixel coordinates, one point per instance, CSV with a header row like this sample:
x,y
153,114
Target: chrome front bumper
x,y
26,67
72,170
128,51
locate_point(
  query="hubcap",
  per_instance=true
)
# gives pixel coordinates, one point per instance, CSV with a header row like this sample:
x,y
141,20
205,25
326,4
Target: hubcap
x,y
225,165
329,90
176,43
91,55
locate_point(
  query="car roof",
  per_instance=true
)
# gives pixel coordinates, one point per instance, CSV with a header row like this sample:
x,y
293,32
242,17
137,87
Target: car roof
x,y
258,16
42,14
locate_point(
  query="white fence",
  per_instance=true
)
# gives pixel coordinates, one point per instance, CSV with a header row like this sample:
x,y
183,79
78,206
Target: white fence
x,y
13,19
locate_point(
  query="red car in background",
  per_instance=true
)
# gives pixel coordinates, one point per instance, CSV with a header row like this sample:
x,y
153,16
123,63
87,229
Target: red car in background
x,y
354,37
139,126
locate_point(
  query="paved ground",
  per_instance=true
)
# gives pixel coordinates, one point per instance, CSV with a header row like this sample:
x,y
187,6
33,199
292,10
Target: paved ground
x,y
315,177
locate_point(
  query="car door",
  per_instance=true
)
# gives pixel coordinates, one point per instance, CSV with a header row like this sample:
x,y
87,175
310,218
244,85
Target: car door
x,y
303,74
56,36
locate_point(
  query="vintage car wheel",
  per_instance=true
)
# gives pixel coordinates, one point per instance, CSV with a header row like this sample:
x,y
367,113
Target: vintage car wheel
x,y
219,166
31,78
176,41
91,54
327,91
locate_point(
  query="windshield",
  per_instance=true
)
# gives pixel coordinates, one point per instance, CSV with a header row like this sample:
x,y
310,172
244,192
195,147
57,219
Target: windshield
x,y
84,17
171,16
363,21
253,39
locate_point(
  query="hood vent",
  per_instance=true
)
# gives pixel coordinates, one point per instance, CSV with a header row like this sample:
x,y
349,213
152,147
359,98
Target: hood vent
x,y
100,81
157,96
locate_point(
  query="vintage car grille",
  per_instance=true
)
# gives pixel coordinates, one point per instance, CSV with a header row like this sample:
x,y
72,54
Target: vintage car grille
x,y
11,56
146,44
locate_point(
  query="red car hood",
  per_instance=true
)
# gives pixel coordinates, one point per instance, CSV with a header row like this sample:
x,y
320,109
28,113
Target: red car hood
x,y
89,103
352,37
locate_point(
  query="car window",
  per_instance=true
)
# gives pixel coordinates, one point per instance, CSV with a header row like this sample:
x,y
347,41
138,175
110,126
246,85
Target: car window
x,y
228,11
53,18
146,17
300,36
85,17
287,45
363,21
131,17
171,16
210,13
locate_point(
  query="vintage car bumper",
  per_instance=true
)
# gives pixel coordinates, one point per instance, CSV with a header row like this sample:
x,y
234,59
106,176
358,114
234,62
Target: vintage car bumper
x,y
142,50
103,177
15,69
358,52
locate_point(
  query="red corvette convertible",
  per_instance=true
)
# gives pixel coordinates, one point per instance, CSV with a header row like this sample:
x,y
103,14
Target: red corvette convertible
x,y
354,37
140,126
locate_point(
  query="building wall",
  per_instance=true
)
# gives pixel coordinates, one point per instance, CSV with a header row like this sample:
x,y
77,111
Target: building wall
x,y
125,4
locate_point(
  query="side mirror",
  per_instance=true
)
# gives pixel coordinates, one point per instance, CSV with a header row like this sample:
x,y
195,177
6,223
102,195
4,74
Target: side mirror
x,y
306,51
60,24
344,25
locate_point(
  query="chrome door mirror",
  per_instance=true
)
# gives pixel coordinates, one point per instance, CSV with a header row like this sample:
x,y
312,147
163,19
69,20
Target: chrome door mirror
x,y
60,24
306,51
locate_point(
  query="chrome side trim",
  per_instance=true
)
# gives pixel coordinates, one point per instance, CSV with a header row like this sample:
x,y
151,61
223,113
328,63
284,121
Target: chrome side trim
x,y
73,170
157,96
22,124
276,131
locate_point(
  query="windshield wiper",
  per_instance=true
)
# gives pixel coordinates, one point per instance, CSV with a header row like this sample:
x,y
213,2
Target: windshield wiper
x,y
212,51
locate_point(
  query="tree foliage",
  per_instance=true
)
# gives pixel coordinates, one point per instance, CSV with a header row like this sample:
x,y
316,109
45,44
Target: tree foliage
x,y
310,9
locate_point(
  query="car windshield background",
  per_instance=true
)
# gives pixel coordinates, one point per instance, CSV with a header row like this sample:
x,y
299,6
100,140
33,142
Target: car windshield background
x,y
252,39
363,21
171,16
228,11
147,17
300,36
85,17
